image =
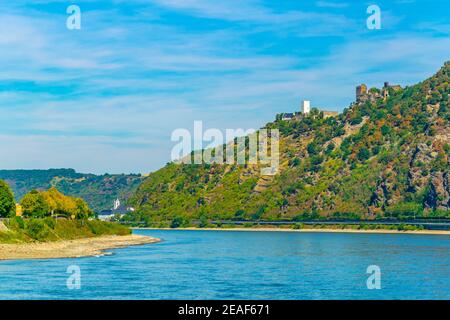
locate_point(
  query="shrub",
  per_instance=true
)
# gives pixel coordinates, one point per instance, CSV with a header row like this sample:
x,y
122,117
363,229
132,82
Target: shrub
x,y
239,213
258,214
405,209
330,148
298,226
363,154
37,229
385,130
313,148
356,120
50,222
176,222
203,221
15,223
439,213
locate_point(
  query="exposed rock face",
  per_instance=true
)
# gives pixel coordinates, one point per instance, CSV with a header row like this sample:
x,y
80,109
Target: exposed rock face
x,y
381,196
446,181
420,179
416,179
438,195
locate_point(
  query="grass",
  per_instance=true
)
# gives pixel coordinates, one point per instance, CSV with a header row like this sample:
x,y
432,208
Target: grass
x,y
49,229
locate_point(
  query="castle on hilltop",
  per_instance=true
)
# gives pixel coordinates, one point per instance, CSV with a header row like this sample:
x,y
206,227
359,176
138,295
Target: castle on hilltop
x,y
363,95
305,110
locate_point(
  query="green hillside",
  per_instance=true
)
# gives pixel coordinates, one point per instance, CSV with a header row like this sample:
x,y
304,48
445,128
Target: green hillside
x,y
380,157
99,191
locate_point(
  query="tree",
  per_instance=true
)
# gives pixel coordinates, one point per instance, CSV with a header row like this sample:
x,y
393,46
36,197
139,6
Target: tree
x,y
203,221
357,119
385,130
239,213
34,205
363,154
40,204
313,148
60,204
83,211
176,222
7,202
330,148
259,213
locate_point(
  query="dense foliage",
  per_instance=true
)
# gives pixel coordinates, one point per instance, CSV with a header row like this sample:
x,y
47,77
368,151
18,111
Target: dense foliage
x,y
49,216
7,203
382,158
98,191
53,203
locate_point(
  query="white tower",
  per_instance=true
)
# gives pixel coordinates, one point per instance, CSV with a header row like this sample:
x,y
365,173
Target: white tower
x,y
116,204
306,106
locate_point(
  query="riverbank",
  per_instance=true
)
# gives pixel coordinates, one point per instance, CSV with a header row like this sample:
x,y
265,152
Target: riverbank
x,y
30,230
84,247
317,230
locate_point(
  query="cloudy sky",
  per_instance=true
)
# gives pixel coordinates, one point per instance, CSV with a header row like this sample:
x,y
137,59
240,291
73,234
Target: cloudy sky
x,y
106,98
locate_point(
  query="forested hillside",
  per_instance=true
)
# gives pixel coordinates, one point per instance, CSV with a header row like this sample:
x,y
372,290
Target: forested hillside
x,y
99,191
381,157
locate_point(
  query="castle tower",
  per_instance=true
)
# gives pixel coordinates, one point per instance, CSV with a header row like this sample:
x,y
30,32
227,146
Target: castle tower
x,y
306,106
360,91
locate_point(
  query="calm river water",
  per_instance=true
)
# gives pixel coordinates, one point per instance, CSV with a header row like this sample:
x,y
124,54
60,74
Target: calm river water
x,y
245,265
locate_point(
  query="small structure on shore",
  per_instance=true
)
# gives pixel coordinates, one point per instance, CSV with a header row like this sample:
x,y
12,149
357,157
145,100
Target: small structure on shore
x,y
117,212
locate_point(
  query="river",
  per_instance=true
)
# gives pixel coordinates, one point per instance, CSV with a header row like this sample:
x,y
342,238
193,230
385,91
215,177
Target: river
x,y
244,265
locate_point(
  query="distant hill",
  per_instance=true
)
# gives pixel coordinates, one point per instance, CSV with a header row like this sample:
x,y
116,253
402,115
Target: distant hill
x,y
383,156
99,191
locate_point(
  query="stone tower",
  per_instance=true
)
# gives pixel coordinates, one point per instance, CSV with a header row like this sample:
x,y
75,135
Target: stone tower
x,y
361,90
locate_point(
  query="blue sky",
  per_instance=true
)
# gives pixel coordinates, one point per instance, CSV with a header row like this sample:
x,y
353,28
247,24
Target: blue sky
x,y
107,97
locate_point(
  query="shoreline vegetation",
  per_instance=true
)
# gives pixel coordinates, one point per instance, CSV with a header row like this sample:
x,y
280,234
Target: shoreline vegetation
x,y
49,224
21,231
430,226
61,238
319,229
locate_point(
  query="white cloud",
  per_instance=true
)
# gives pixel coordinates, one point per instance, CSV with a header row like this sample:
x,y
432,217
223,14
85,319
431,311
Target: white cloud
x,y
125,87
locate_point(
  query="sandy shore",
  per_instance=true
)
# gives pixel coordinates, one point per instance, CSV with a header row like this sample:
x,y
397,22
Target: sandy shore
x,y
71,248
324,230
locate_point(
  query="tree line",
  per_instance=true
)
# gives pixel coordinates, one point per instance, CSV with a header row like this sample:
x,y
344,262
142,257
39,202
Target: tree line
x,y
41,204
